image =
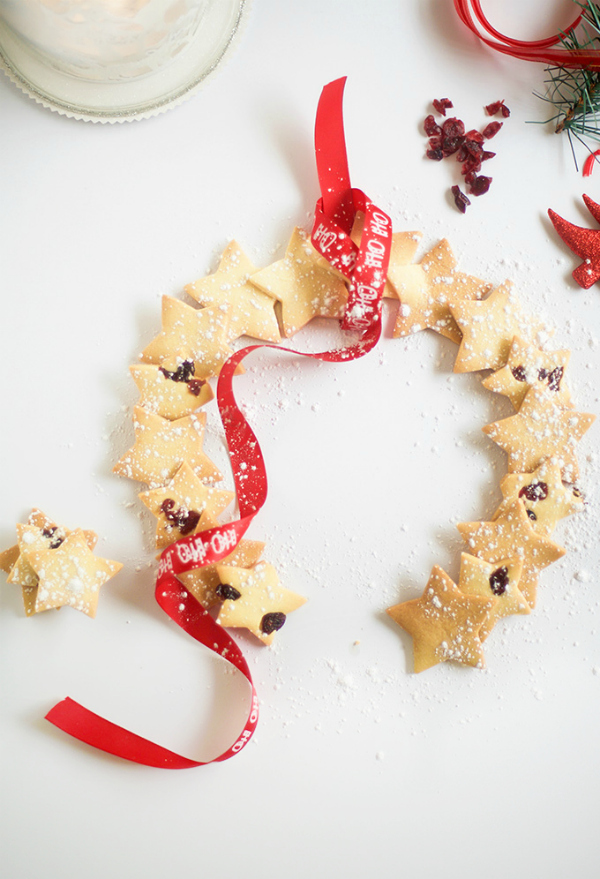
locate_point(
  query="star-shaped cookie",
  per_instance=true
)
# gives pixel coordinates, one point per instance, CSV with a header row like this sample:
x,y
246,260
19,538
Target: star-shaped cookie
x,y
508,536
544,495
529,366
253,599
488,328
403,274
444,623
203,583
39,533
182,506
541,429
498,581
191,334
425,302
161,446
304,284
253,312
170,394
70,575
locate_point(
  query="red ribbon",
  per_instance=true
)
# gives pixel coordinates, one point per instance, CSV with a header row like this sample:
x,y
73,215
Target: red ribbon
x,y
366,268
472,16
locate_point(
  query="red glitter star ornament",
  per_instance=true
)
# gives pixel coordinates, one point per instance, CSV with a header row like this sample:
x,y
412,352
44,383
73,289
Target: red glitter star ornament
x,y
584,242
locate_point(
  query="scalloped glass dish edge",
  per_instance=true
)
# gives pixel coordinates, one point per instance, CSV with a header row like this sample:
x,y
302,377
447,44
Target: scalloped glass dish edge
x,y
117,102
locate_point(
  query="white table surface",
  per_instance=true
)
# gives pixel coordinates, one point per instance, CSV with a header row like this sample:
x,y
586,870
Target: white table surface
x,y
358,767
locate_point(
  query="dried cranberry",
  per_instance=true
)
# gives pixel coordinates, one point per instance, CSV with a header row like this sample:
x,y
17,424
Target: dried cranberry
x,y
195,386
499,580
474,149
542,374
272,622
227,592
453,127
462,154
435,142
519,373
474,135
487,154
535,491
435,155
460,199
471,167
480,185
442,105
555,378
492,129
183,373
431,126
54,535
531,515
184,520
493,108
504,111
450,145
469,176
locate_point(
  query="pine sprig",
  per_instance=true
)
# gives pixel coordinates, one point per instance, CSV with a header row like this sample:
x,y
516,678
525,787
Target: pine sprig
x,y
575,93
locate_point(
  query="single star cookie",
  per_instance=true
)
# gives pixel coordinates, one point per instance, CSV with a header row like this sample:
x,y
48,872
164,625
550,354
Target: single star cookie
x,y
161,446
545,497
529,366
499,581
541,429
70,575
204,583
403,274
196,335
508,536
254,600
170,394
182,506
304,284
489,327
426,303
253,312
444,623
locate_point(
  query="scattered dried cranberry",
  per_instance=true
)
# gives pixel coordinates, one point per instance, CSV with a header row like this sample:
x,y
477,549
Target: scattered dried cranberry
x,y
453,127
535,491
499,580
227,592
442,105
504,111
480,185
497,107
487,154
431,126
435,155
471,166
460,199
469,176
450,145
272,622
474,149
492,129
474,135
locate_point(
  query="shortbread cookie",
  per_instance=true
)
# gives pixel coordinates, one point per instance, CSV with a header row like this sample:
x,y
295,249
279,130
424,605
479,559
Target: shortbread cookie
x,y
527,367
39,533
304,284
161,446
70,575
253,599
170,394
183,506
403,273
511,535
252,310
444,623
543,494
196,335
499,581
428,305
541,429
204,583
488,328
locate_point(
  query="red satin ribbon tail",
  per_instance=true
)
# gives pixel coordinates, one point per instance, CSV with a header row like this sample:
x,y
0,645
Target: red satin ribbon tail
x,y
94,730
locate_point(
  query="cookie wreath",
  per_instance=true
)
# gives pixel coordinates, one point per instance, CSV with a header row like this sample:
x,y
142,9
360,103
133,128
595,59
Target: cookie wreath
x,y
352,259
